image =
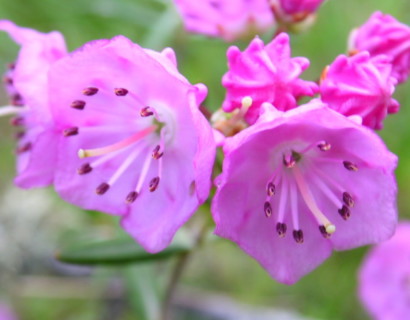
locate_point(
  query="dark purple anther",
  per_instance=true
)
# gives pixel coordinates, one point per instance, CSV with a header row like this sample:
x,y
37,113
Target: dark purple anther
x,y
350,166
131,197
90,91
323,231
84,169
70,132
78,104
8,80
19,135
153,185
121,92
17,121
324,146
146,112
24,148
348,199
268,209
156,154
16,100
281,229
298,236
344,212
102,188
271,189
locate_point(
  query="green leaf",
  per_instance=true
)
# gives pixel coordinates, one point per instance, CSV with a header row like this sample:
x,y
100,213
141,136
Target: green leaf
x,y
119,251
143,294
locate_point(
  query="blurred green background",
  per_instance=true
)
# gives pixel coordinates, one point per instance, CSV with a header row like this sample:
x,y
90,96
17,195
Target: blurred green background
x,y
327,293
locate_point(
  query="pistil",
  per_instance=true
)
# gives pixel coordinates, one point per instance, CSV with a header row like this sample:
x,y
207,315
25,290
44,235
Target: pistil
x,y
117,146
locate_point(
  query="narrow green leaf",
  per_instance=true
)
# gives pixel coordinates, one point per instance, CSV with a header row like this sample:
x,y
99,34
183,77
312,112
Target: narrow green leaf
x,y
143,294
119,251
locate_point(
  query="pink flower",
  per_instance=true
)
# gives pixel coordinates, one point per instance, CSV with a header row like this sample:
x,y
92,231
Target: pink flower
x,y
265,74
26,82
384,278
295,15
360,85
145,152
300,6
383,34
296,185
228,19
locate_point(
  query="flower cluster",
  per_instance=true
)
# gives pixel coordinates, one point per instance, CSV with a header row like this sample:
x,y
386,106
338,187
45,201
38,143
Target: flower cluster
x,y
115,127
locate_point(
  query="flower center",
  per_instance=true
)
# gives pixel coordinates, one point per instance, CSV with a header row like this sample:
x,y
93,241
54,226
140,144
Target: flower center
x,y
290,177
150,140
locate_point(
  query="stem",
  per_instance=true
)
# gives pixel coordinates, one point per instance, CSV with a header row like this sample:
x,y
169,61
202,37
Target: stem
x,y
177,273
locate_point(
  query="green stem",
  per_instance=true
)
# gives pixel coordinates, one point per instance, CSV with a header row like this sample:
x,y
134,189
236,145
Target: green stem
x,y
177,273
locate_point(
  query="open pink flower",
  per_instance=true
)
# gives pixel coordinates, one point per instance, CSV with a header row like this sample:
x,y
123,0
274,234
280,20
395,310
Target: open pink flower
x,y
384,278
26,82
228,19
383,34
296,185
145,151
360,85
265,74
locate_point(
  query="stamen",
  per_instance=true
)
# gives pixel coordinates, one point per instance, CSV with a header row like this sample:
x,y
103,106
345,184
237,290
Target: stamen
x,y
156,154
271,189
348,199
17,121
17,100
350,166
298,236
344,212
70,132
281,229
124,166
84,169
146,112
102,188
323,231
289,161
9,110
24,148
294,205
283,199
90,91
78,104
153,185
121,92
310,201
327,191
117,146
324,146
268,209
20,135
143,173
8,80
131,197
